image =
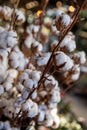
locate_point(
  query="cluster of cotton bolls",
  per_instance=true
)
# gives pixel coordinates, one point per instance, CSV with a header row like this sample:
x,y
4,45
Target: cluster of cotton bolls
x,y
17,59
42,102
6,13
21,97
7,126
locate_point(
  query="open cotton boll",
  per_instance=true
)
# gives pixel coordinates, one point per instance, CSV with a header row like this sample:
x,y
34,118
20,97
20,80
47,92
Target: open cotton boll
x,y
15,63
76,74
12,73
62,61
12,39
19,87
26,106
28,83
7,86
49,120
35,75
13,56
25,94
79,57
33,111
29,40
41,61
50,80
6,125
56,122
7,11
24,76
3,64
66,19
68,43
55,96
41,116
20,16
38,46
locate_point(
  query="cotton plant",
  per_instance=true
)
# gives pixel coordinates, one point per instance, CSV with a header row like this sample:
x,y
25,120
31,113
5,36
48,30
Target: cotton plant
x,y
29,92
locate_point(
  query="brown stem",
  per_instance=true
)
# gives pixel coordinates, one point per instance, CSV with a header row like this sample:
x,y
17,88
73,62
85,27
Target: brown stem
x,y
44,4
13,15
55,49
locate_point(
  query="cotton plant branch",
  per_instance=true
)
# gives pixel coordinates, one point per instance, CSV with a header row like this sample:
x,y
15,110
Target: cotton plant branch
x,y
13,15
74,20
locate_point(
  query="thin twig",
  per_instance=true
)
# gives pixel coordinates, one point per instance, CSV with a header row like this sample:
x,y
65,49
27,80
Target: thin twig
x,y
13,15
42,16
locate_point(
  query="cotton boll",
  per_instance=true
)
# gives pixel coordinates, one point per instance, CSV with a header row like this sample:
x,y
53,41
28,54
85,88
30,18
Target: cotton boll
x,y
13,56
76,74
33,111
20,17
12,38
6,125
19,87
34,95
35,75
28,83
68,65
80,57
12,73
28,41
24,76
25,94
49,120
41,61
1,89
8,112
49,80
22,65
66,19
68,43
38,46
26,106
14,63
41,116
7,86
31,66
56,122
43,93
62,61
7,12
55,96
